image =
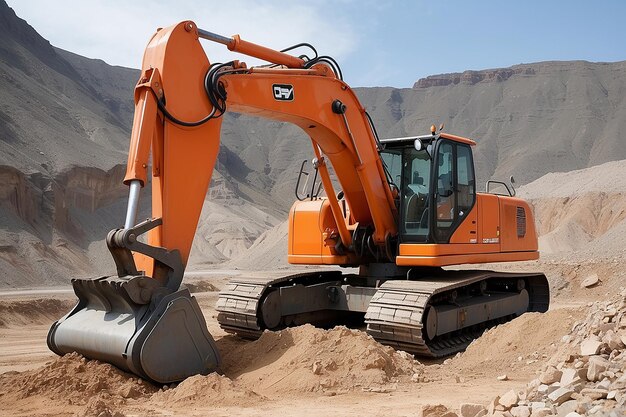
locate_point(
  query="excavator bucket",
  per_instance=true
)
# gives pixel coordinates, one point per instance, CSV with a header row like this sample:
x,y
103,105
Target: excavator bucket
x,y
135,322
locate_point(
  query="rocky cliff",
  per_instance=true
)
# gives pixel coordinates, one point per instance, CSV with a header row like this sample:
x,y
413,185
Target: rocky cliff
x,y
65,121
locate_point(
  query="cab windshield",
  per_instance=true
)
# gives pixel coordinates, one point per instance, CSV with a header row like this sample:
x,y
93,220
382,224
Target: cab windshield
x,y
410,171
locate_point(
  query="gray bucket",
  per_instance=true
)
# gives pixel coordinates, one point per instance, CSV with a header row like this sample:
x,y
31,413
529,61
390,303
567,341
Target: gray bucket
x,y
164,340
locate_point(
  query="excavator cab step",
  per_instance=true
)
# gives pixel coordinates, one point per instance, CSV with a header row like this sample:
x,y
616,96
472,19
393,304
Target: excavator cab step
x,y
163,339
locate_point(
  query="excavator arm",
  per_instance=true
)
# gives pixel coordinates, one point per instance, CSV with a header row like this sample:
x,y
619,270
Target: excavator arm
x,y
179,101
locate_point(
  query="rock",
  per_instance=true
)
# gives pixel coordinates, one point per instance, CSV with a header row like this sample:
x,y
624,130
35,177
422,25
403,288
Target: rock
x,y
590,347
561,395
503,378
542,389
612,340
566,408
573,376
536,405
604,384
573,414
317,368
594,393
509,399
542,412
492,405
471,410
550,376
438,410
520,411
611,395
553,387
590,281
605,327
594,409
597,365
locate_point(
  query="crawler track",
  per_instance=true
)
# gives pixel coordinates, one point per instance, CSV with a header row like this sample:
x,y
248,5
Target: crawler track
x,y
396,312
239,304
395,315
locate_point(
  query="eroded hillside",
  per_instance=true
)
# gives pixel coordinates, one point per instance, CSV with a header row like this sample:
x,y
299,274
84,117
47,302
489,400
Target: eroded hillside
x,y
65,121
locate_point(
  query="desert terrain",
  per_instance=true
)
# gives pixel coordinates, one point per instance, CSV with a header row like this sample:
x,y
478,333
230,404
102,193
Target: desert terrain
x,y
558,127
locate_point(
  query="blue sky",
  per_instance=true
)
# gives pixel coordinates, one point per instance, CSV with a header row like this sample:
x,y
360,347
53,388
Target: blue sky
x,y
377,43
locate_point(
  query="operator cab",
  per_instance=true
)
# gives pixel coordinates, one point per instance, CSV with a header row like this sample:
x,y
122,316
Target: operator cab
x,y
434,175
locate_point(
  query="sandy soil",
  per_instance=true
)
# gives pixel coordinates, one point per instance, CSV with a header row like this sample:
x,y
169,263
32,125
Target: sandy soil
x,y
300,371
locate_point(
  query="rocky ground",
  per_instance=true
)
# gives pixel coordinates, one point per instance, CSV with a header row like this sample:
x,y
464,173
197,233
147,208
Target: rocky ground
x,y
569,360
585,377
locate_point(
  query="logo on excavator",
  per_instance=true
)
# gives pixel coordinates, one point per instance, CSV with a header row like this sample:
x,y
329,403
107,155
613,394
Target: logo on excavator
x,y
283,92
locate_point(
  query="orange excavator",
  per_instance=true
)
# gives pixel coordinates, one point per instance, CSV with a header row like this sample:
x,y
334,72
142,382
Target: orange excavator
x,y
407,210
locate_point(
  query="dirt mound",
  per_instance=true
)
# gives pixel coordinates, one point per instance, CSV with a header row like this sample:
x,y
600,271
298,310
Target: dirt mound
x,y
41,311
75,380
199,389
97,407
307,359
515,347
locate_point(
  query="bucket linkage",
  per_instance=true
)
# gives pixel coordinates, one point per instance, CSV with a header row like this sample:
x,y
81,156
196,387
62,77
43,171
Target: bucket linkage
x,y
144,325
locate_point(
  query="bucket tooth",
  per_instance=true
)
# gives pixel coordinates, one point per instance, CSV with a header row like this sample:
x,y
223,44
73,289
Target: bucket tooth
x,y
164,340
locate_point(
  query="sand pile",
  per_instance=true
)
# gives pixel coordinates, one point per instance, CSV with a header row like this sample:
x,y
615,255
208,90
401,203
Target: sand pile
x,y
199,389
41,311
307,359
582,211
74,380
516,345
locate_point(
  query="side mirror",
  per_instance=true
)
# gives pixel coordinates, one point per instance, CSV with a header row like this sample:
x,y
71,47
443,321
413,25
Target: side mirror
x,y
512,186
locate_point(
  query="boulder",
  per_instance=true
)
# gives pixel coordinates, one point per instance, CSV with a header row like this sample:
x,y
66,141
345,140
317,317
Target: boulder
x,y
542,412
561,395
471,410
550,376
594,393
509,399
590,281
597,365
612,340
590,347
520,411
566,408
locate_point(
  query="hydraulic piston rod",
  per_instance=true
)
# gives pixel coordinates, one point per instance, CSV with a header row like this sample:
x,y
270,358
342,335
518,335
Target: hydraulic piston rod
x,y
133,204
236,44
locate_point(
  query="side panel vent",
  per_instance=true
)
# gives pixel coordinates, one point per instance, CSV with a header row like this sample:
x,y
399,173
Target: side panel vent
x,y
521,222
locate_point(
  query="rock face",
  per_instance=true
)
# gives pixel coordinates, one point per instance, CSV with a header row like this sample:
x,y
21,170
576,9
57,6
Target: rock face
x,y
64,115
474,77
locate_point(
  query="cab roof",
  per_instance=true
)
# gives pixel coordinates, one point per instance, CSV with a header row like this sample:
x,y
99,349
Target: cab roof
x,y
444,135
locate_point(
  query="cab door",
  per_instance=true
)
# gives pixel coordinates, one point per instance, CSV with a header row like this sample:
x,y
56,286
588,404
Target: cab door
x,y
453,186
